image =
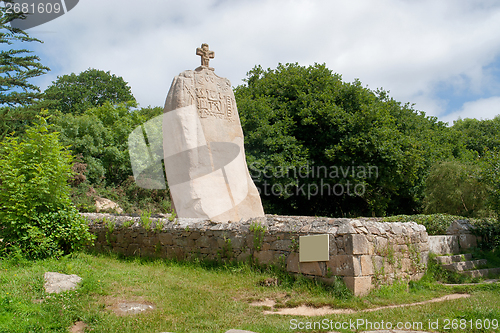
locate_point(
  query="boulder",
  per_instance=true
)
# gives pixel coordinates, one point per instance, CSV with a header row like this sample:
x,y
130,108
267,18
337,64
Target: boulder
x,y
57,282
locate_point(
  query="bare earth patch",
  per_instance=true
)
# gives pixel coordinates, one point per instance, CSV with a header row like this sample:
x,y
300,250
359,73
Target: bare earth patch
x,y
78,327
309,311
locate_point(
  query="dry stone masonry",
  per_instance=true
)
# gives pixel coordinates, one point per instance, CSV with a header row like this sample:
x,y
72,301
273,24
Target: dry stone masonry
x,y
364,252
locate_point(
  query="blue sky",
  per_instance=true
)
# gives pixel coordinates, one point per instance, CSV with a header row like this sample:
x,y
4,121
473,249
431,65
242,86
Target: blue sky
x,y
444,56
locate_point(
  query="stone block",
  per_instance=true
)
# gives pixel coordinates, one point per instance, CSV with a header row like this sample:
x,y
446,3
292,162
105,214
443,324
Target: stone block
x,y
264,257
467,240
265,246
311,268
194,235
332,246
344,265
165,239
292,263
357,244
359,285
378,263
243,256
182,242
281,245
366,265
444,244
237,242
133,249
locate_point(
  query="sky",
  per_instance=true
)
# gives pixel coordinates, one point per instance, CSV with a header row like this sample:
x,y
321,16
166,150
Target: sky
x,y
443,56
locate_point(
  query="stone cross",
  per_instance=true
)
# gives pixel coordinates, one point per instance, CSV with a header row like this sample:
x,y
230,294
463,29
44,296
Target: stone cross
x,y
205,54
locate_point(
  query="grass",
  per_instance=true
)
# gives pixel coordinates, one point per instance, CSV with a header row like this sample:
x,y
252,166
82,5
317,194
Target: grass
x,y
204,297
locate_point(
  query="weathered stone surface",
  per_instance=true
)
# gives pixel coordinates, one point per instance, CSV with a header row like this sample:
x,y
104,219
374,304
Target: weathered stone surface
x,y
366,265
264,257
203,149
343,265
360,285
57,282
443,244
134,308
357,245
106,204
458,227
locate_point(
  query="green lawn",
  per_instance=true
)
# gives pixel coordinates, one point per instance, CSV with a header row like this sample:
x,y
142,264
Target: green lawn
x,y
196,297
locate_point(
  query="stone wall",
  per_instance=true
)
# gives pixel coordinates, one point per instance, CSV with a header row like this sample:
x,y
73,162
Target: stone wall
x,y
458,238
364,252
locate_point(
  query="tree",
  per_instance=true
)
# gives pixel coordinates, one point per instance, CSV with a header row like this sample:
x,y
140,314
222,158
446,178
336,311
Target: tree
x,y
36,213
100,137
491,174
318,146
91,88
17,66
478,135
456,188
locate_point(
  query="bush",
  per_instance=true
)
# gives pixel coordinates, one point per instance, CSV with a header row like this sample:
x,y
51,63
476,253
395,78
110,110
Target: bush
x,y
36,213
435,224
489,231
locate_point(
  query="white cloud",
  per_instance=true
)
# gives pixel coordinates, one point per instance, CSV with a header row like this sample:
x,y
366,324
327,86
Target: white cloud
x,y
403,46
487,108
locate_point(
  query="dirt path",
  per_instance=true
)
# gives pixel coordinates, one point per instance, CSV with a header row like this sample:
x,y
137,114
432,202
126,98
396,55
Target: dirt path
x,y
309,311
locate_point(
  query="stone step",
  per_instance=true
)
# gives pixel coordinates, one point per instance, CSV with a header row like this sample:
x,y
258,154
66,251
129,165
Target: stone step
x,y
445,260
465,265
476,273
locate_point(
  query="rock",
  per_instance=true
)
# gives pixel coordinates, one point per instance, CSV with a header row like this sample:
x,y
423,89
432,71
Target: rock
x,y
133,308
106,204
203,148
458,227
57,282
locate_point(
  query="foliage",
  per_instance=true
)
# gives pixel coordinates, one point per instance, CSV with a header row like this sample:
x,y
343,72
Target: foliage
x,y
36,213
478,135
489,232
303,118
455,188
100,137
17,66
91,88
258,230
491,174
130,197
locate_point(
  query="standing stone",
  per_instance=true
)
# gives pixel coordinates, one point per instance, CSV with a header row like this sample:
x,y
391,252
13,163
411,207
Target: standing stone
x,y
203,148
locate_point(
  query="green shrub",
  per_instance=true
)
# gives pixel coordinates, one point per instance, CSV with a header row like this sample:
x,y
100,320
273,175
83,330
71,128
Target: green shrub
x,y
36,214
